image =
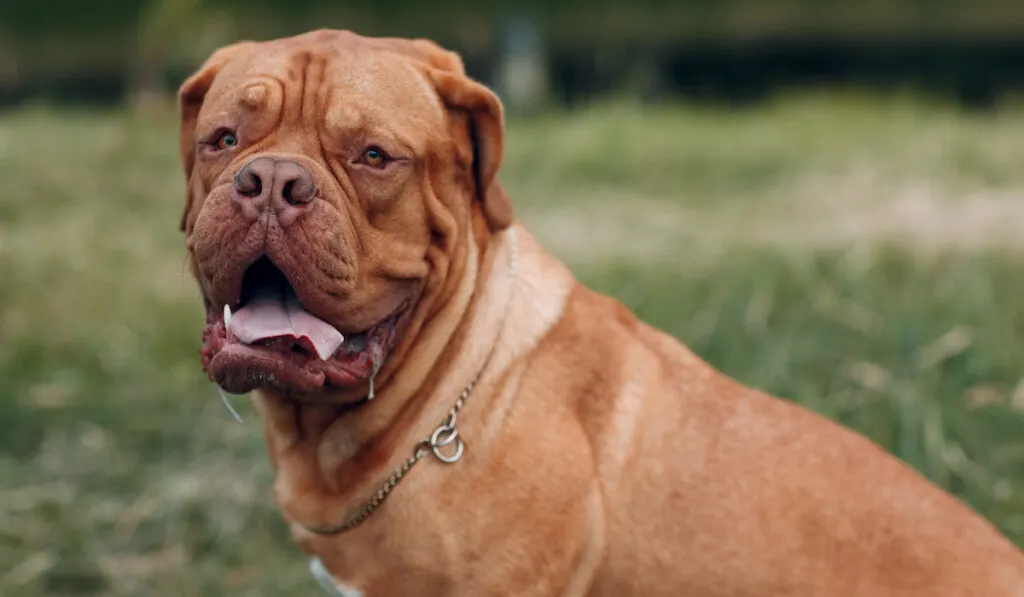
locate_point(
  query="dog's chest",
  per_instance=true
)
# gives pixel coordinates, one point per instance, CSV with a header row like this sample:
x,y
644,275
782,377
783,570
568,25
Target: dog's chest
x,y
333,587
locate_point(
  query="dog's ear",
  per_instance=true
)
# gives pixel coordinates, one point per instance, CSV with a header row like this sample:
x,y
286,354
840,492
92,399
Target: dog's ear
x,y
190,99
486,132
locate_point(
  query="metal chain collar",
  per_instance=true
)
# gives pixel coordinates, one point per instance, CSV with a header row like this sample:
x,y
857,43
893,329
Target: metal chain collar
x,y
446,434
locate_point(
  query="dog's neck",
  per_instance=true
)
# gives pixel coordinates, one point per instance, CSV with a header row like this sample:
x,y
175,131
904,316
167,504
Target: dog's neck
x,y
340,452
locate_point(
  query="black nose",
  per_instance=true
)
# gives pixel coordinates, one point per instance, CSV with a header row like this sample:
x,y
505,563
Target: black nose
x,y
285,186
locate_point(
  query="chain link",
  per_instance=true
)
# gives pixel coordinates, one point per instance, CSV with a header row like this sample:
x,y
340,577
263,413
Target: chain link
x,y
444,435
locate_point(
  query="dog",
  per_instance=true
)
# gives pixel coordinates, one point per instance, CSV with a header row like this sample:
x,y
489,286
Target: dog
x,y
450,413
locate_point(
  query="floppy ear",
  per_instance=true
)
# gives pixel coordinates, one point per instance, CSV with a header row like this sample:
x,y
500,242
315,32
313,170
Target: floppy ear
x,y
486,131
190,99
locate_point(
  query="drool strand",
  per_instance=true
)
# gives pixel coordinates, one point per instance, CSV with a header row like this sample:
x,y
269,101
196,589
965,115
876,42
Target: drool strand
x,y
373,375
227,404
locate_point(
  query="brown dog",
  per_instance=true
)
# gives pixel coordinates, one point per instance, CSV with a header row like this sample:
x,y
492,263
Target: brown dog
x,y
362,270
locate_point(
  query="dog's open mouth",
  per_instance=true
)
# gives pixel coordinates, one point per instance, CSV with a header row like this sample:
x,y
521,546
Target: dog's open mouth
x,y
271,341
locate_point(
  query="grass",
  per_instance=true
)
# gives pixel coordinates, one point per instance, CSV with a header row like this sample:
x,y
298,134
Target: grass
x,y
860,256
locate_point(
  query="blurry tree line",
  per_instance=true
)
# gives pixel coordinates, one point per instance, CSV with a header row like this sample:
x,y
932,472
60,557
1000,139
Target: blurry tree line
x,y
534,51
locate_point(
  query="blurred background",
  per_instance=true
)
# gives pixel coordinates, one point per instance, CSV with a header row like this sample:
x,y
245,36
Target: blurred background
x,y
824,199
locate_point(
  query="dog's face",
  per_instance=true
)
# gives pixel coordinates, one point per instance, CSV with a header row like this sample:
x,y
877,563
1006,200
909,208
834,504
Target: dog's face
x,y
333,183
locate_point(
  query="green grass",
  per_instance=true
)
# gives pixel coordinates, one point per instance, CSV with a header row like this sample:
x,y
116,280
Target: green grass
x,y
860,256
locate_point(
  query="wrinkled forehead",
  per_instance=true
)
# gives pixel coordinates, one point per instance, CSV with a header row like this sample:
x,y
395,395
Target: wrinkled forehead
x,y
340,85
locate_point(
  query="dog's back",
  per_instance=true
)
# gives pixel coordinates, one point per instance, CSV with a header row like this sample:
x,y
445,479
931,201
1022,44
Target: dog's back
x,y
711,488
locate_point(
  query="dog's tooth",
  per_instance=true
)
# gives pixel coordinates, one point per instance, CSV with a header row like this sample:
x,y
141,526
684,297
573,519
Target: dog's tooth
x,y
227,315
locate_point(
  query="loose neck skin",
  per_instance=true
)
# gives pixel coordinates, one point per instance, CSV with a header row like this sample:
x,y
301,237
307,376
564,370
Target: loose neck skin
x,y
330,450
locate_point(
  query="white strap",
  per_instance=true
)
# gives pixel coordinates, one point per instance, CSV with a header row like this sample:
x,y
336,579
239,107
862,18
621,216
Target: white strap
x,y
320,573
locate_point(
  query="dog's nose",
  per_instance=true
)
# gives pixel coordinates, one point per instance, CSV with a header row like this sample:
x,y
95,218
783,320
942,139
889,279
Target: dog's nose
x,y
285,186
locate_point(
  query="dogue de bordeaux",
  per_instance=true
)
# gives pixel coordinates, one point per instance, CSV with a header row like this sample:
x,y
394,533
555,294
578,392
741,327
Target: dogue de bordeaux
x,y
450,413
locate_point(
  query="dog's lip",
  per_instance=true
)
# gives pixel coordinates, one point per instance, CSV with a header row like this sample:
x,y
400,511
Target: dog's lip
x,y
239,368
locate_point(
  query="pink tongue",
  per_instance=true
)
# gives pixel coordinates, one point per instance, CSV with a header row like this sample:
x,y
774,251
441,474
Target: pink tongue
x,y
277,313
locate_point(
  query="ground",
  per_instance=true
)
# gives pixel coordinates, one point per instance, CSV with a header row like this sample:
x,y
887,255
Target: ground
x,y
858,255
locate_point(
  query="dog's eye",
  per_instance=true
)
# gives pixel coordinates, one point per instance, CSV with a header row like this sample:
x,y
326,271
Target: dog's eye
x,y
225,140
374,156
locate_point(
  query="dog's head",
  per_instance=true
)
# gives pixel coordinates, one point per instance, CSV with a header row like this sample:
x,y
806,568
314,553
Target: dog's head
x,y
334,182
